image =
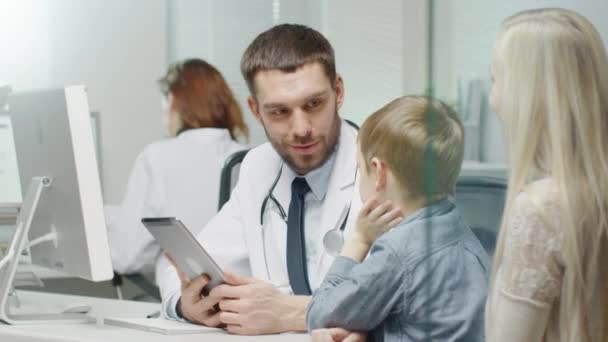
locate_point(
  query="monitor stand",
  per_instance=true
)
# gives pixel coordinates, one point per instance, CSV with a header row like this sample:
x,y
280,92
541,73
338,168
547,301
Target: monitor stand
x,y
28,314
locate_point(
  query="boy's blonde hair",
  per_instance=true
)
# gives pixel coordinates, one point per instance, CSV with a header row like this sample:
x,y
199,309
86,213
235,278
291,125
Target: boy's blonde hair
x,y
422,142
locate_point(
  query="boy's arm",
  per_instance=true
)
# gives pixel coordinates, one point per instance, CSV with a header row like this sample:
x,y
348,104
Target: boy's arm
x,y
358,296
355,249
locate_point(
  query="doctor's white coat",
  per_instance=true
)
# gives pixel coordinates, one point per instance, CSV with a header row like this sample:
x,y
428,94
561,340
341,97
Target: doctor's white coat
x,y
234,237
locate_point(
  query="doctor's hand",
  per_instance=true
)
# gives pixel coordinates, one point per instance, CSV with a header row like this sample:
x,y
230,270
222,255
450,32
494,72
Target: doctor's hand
x,y
337,335
192,305
251,306
197,308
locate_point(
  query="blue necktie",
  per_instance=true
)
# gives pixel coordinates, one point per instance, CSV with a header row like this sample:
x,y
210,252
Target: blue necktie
x,y
296,245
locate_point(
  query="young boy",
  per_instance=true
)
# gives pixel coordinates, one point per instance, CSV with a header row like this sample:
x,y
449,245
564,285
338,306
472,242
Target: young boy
x,y
426,278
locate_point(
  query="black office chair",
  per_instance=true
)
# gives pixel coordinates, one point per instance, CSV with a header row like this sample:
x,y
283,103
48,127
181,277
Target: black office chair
x,y
481,201
230,175
151,293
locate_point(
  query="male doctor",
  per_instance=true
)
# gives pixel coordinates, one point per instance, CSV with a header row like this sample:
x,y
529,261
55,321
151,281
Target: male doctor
x,y
290,193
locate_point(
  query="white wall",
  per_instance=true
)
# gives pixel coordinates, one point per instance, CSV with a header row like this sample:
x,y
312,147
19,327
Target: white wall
x,y
24,43
116,48
381,51
219,31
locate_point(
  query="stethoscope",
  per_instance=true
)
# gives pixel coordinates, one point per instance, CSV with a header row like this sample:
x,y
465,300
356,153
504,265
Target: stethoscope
x,y
270,197
333,240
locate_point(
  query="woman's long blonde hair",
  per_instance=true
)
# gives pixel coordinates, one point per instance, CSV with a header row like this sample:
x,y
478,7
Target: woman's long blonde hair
x,y
553,69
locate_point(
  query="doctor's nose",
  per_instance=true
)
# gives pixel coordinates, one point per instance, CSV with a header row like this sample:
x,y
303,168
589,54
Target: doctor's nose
x,y
301,124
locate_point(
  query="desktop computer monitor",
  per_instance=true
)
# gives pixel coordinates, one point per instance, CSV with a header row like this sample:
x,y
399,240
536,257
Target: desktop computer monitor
x,y
10,196
57,163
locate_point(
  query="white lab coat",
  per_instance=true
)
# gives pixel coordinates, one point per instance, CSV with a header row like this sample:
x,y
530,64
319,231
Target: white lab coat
x,y
234,236
176,177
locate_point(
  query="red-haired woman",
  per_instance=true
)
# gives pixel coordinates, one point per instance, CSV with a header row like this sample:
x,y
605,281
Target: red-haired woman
x,y
179,176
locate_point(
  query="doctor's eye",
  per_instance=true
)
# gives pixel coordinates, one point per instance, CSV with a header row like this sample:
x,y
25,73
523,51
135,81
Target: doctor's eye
x,y
312,104
279,112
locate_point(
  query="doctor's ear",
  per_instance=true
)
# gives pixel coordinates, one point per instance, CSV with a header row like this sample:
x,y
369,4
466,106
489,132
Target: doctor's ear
x,y
379,169
255,108
339,89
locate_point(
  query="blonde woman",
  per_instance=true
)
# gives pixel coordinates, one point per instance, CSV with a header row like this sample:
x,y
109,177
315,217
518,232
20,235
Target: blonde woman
x,y
550,89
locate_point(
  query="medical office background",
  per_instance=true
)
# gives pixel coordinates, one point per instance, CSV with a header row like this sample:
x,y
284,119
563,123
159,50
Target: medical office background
x,y
384,49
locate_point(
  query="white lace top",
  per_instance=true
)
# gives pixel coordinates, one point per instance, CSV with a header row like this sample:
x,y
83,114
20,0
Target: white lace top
x,y
525,298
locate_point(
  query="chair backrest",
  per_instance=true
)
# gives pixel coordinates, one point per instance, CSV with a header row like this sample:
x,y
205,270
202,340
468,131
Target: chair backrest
x,y
230,175
481,201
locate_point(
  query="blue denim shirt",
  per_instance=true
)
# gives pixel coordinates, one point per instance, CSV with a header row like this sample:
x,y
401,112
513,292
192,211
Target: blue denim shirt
x,y
416,284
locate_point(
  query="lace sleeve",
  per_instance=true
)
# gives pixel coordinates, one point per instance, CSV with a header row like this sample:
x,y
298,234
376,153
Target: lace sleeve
x,y
531,267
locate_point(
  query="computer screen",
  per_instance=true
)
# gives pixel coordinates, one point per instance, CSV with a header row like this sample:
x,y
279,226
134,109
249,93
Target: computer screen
x,y
53,138
10,195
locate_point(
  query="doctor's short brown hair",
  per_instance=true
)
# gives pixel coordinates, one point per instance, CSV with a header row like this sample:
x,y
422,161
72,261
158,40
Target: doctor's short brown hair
x,y
287,47
421,140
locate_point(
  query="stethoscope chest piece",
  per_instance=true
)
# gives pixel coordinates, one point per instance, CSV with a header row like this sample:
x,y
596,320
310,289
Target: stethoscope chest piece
x,y
333,241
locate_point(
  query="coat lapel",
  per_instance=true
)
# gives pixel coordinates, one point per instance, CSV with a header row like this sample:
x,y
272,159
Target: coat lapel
x,y
342,180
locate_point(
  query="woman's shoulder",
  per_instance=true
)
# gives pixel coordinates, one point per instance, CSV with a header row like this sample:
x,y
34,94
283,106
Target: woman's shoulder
x,y
532,268
195,140
539,198
163,146
535,217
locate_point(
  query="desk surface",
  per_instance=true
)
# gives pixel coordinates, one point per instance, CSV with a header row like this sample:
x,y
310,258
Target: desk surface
x,y
99,332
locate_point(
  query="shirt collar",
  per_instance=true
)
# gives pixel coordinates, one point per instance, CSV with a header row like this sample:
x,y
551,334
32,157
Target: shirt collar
x,y
432,209
206,133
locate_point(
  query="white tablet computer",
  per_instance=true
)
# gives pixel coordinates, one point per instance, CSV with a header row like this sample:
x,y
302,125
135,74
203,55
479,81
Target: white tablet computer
x,y
176,240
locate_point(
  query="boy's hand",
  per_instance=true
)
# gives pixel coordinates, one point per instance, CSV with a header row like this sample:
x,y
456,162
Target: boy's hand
x,y
375,219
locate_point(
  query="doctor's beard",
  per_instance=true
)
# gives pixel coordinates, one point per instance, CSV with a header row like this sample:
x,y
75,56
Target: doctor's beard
x,y
303,164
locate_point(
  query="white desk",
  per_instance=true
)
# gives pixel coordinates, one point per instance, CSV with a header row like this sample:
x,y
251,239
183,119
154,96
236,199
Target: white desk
x,y
106,333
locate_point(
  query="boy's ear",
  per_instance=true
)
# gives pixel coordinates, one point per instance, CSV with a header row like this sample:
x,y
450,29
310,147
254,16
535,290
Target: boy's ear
x,y
380,170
